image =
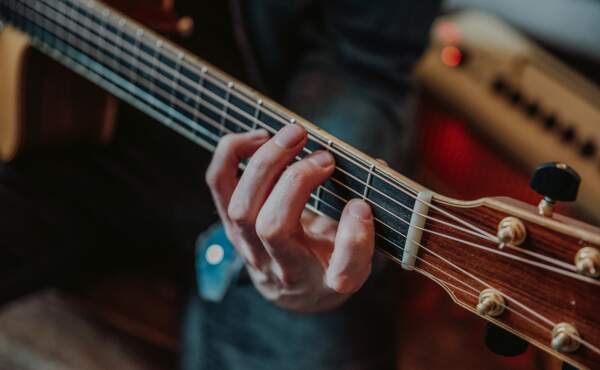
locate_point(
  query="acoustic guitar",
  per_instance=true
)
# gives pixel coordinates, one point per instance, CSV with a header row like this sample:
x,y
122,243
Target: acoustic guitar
x,y
525,269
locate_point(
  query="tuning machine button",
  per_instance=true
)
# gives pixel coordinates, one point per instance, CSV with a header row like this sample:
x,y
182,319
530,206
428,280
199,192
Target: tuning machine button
x,y
556,182
491,303
563,338
502,342
587,261
511,231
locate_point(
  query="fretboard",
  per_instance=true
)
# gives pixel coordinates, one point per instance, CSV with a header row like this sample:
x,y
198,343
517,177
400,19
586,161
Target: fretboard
x,y
199,101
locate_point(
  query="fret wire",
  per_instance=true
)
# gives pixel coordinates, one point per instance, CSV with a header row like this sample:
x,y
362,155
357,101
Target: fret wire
x,y
318,197
90,5
197,98
368,182
175,80
255,116
329,145
121,24
225,104
155,62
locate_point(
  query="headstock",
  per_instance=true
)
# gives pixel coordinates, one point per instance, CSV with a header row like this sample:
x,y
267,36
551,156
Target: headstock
x,y
524,269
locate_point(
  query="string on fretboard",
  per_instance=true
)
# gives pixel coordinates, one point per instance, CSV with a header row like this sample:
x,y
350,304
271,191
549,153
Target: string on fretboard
x,y
188,96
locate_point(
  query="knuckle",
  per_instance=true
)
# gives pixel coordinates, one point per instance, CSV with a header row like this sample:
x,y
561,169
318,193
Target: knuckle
x,y
239,213
297,173
266,230
288,277
261,163
227,143
271,229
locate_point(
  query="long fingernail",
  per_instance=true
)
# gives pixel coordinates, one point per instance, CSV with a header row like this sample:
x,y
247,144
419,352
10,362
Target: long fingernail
x,y
290,136
360,209
321,158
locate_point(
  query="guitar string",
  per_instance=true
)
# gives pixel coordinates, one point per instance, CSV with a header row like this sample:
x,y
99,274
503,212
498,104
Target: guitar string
x,y
588,343
456,239
225,102
402,187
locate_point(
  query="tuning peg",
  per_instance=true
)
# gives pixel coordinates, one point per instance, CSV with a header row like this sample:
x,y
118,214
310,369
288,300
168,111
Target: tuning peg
x,y
502,342
556,182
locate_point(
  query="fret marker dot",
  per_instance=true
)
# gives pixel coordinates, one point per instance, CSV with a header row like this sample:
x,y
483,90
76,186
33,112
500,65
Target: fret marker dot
x,y
214,254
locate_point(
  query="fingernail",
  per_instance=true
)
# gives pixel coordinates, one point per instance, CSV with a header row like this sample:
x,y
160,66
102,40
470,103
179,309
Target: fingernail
x,y
360,209
289,136
259,134
321,158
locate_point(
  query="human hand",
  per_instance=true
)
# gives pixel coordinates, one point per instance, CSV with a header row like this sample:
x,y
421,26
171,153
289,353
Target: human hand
x,y
295,258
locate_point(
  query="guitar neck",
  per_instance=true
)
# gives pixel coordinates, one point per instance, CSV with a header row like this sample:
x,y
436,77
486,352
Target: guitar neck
x,y
202,103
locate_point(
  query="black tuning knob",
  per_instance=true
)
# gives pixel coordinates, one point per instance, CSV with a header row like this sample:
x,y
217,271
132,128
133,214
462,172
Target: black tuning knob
x,y
502,342
556,181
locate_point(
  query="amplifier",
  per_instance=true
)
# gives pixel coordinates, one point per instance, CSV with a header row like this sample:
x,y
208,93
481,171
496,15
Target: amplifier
x,y
527,102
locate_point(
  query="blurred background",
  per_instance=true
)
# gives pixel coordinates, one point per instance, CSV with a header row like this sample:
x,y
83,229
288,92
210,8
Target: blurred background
x,y
503,86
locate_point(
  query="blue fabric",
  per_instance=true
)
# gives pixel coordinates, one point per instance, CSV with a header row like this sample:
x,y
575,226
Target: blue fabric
x,y
213,279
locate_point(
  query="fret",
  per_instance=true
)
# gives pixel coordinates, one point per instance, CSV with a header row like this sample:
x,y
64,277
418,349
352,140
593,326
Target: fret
x,y
368,182
154,62
88,25
102,29
197,97
139,33
223,117
41,19
318,198
255,117
119,29
175,81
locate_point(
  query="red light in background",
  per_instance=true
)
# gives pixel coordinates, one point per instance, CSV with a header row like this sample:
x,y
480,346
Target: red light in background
x,y
451,56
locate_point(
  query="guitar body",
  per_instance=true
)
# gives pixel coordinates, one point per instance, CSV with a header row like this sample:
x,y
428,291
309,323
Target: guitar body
x,y
46,105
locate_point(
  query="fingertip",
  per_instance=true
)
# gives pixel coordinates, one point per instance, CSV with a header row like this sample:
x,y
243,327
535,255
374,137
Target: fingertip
x,y
360,209
258,135
341,283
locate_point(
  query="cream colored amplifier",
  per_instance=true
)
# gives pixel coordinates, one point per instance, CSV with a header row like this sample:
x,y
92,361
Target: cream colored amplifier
x,y
526,101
